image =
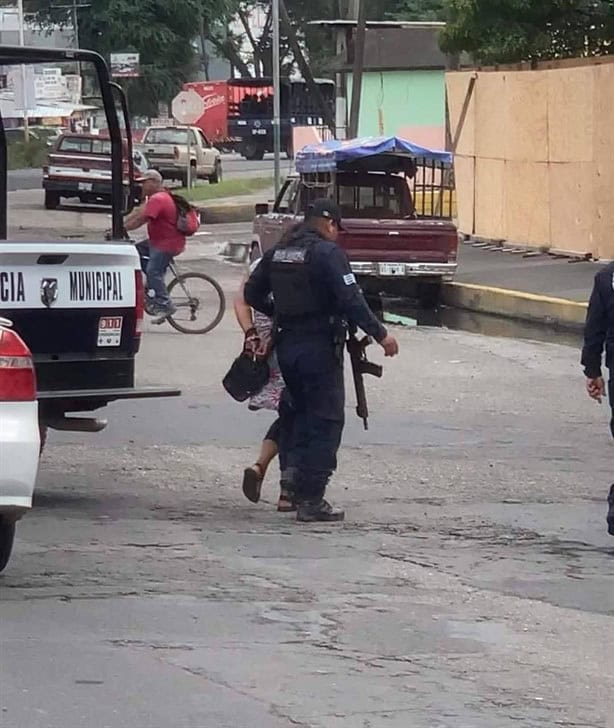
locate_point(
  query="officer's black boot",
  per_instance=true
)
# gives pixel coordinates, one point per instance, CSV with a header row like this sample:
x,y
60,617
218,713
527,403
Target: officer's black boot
x,y
611,512
287,495
318,510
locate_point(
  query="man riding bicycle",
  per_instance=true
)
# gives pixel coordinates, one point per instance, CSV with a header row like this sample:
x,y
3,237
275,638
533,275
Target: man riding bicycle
x,y
165,241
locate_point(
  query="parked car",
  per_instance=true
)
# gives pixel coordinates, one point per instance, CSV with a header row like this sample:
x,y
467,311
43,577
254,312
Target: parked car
x,y
19,435
166,148
79,166
55,135
398,233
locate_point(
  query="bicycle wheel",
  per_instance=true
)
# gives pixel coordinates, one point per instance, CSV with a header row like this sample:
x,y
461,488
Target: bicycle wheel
x,y
200,303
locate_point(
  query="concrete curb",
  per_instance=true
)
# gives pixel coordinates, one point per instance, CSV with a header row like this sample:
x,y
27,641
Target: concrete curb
x,y
227,214
515,304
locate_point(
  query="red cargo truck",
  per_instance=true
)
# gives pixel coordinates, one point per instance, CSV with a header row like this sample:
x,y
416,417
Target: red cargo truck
x,y
238,113
214,121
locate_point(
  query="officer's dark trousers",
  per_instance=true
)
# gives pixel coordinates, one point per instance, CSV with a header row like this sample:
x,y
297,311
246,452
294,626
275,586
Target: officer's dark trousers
x,y
611,401
314,378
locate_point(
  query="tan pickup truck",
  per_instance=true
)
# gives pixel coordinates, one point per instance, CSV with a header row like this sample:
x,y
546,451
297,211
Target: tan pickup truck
x,y
168,148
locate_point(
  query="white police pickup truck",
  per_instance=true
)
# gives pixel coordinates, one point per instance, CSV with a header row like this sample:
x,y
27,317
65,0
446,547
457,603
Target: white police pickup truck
x,y
79,307
76,307
19,435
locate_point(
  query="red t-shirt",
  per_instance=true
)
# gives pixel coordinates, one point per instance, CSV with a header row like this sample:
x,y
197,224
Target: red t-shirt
x,y
161,213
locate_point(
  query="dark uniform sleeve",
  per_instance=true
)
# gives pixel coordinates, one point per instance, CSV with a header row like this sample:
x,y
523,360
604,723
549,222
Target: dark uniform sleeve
x,y
595,331
348,296
258,286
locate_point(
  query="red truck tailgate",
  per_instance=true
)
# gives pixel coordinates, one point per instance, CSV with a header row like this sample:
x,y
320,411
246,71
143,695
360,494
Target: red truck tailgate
x,y
403,241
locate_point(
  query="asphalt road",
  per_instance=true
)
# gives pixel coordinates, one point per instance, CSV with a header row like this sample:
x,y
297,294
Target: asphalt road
x,y
472,585
233,166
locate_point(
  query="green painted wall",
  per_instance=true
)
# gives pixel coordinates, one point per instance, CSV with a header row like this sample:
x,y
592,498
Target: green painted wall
x,y
402,100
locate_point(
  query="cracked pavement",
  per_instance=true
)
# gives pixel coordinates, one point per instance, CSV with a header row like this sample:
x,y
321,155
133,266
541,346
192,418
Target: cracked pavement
x,y
471,586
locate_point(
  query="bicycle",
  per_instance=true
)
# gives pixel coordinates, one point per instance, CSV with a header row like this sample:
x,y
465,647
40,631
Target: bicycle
x,y
190,303
190,300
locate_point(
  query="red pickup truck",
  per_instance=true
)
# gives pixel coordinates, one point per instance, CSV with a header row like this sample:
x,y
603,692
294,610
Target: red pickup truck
x,y
79,166
399,232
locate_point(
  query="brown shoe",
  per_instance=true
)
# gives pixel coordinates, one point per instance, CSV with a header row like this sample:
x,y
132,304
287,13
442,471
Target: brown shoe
x,y
252,483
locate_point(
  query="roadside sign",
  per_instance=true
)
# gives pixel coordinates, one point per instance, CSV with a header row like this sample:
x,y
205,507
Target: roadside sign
x,y
25,96
188,107
125,65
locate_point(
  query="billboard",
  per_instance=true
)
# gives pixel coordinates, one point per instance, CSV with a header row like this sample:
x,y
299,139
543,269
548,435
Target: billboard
x,y
125,65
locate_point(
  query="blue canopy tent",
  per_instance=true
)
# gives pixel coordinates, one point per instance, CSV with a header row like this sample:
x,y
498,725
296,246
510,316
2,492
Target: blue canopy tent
x,y
328,156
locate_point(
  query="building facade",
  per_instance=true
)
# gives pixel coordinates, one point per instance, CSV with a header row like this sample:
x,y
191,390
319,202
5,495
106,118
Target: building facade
x,y
403,86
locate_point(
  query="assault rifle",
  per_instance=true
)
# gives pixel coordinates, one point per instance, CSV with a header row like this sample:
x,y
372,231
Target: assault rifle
x,y
361,366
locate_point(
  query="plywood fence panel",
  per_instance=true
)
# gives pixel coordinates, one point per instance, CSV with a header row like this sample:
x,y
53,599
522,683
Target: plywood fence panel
x,y
457,85
535,162
572,206
526,126
490,115
570,114
464,172
527,203
489,196
603,146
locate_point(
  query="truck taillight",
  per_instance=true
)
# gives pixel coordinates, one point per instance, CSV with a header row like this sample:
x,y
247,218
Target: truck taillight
x,y
455,243
139,288
17,375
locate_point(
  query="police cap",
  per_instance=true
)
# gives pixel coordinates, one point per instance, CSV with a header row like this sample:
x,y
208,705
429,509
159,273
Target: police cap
x,y
327,209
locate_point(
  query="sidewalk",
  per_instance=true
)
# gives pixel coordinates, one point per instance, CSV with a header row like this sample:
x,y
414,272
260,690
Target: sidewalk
x,y
233,209
543,275
534,288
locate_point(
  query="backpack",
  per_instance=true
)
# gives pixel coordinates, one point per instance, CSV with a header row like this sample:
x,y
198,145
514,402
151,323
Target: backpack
x,y
188,219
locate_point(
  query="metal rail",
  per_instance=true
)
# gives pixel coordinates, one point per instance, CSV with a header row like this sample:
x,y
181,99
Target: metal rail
x,y
17,55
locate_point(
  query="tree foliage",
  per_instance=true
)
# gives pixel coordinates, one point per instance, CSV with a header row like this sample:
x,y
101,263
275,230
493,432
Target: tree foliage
x,y
171,35
252,53
162,31
318,43
421,10
505,31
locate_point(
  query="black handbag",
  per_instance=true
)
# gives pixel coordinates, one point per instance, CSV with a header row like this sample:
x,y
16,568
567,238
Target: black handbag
x,y
246,377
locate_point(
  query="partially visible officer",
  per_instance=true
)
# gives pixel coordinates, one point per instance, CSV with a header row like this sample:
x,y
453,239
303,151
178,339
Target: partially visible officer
x,y
314,295
599,331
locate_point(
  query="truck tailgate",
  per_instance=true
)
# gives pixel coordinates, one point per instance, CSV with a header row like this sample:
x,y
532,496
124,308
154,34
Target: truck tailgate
x,y
404,241
75,306
166,152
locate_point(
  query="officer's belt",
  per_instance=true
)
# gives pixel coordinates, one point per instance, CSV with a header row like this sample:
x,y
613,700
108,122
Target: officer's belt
x,y
311,324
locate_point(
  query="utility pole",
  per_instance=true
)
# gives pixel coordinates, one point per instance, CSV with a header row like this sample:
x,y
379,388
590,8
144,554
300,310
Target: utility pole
x,y
276,96
24,85
359,63
74,7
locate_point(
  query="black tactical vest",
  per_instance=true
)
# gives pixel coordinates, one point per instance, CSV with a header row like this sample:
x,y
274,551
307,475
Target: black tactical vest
x,y
291,282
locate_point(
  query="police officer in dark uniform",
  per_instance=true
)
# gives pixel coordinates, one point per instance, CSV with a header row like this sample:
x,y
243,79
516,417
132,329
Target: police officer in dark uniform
x,y
599,332
315,295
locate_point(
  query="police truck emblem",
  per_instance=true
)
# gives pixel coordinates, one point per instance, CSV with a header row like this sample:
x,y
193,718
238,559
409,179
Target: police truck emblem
x,y
49,291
